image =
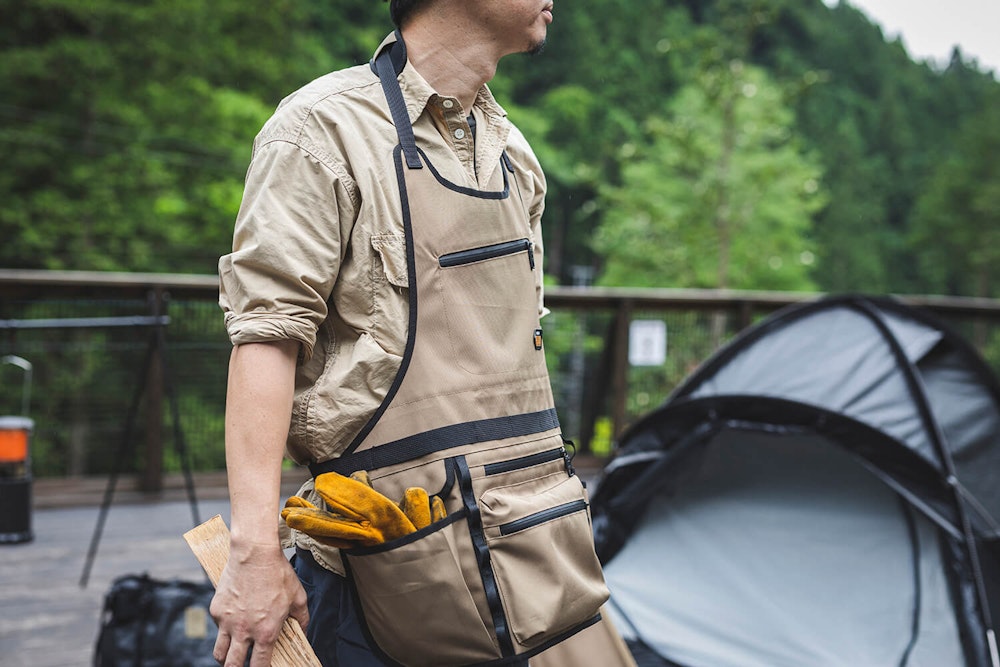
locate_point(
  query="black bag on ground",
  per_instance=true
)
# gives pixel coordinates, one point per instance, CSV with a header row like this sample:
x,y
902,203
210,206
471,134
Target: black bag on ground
x,y
156,623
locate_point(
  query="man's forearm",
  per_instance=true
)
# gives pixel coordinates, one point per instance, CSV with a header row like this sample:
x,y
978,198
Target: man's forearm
x,y
258,411
258,588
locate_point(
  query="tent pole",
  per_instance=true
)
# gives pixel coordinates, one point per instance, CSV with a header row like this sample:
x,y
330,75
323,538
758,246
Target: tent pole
x,y
940,442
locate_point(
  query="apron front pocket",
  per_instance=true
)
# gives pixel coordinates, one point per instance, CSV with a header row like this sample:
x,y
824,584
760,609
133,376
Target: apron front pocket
x,y
491,306
421,602
542,551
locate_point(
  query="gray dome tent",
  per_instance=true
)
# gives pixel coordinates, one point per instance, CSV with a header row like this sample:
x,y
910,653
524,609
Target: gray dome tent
x,y
822,492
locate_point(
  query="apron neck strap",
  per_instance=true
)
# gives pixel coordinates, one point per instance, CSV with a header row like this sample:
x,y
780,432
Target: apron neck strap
x,y
388,64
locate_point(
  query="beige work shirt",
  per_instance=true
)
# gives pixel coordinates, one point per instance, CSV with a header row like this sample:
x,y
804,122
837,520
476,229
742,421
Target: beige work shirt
x,y
318,249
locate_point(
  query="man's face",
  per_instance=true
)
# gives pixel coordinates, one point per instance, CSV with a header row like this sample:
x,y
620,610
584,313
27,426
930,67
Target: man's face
x,y
518,26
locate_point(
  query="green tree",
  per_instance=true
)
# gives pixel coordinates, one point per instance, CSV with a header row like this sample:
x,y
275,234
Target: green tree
x,y
956,230
880,122
127,126
608,64
722,196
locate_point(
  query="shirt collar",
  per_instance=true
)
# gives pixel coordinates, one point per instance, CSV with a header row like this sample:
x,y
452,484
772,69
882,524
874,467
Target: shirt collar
x,y
418,93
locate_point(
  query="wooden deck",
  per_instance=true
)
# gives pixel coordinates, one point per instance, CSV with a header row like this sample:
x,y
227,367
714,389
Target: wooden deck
x,y
46,619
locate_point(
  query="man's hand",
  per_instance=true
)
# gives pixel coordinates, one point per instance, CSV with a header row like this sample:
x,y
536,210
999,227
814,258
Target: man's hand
x,y
257,592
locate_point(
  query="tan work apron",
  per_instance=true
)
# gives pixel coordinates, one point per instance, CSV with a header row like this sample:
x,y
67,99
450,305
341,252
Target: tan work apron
x,y
470,417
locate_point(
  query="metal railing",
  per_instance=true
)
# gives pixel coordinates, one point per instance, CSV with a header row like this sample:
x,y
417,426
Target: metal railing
x,y
90,337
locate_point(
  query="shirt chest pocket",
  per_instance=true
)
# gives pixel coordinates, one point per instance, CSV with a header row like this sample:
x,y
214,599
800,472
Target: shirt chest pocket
x,y
389,261
390,292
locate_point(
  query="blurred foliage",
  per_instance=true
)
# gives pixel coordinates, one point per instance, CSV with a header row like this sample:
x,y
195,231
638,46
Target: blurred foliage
x,y
719,194
958,214
754,144
127,127
867,121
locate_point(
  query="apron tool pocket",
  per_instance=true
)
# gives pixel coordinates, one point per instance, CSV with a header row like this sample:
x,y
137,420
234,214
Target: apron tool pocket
x,y
421,601
542,550
491,307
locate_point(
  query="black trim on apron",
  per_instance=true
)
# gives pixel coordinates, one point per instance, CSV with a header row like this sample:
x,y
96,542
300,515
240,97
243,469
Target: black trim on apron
x,y
448,437
411,334
385,65
479,396
471,192
389,62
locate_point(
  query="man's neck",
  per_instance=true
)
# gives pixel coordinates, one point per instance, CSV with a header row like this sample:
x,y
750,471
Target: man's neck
x,y
450,58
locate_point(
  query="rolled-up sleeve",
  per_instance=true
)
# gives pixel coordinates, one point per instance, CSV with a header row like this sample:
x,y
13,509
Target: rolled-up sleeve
x,y
535,221
536,209
288,246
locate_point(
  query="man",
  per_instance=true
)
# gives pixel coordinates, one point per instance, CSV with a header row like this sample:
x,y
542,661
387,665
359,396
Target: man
x,y
318,298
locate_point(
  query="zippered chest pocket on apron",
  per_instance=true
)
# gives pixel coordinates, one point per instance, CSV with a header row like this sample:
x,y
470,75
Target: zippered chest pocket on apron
x,y
491,306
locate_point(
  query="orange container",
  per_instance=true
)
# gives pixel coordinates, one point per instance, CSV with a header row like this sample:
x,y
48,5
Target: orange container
x,y
15,432
13,446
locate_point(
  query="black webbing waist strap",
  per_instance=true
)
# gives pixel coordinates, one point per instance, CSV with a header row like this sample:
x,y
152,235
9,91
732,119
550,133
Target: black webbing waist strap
x,y
440,439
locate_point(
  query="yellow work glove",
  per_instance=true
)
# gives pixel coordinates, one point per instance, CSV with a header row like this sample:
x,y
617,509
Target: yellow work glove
x,y
416,505
422,510
322,526
359,501
438,511
359,515
363,477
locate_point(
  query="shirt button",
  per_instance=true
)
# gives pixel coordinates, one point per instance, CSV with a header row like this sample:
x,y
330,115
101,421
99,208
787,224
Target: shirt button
x,y
459,133
447,104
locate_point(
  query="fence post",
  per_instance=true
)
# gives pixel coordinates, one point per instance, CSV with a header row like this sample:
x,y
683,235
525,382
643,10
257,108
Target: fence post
x,y
745,315
151,480
619,374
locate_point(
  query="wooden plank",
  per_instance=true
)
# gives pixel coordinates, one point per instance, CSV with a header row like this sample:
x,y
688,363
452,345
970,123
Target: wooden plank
x,y
210,544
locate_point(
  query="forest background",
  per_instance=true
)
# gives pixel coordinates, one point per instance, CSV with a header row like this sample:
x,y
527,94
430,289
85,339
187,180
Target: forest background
x,y
746,144
741,144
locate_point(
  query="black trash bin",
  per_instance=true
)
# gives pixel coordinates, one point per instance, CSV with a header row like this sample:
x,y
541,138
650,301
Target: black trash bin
x,y
15,467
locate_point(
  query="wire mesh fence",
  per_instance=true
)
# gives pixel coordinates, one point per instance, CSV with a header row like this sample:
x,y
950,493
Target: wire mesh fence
x,y
89,367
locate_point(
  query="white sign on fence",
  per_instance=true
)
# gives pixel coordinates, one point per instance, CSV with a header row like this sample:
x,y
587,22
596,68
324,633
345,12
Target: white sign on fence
x,y
647,342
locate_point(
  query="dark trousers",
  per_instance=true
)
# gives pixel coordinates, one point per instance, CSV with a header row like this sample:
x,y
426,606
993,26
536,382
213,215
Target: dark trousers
x,y
334,627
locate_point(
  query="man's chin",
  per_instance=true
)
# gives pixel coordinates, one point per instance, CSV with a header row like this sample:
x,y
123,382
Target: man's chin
x,y
536,48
